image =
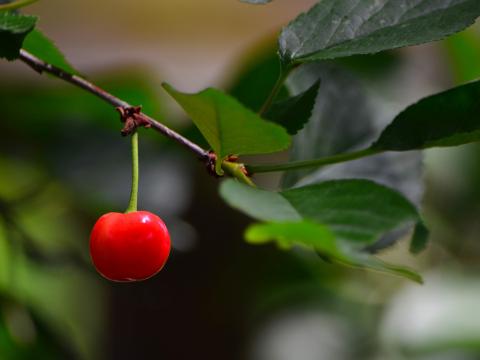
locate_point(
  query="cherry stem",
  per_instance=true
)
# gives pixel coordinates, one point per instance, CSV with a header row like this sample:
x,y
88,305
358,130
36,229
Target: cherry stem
x,y
132,204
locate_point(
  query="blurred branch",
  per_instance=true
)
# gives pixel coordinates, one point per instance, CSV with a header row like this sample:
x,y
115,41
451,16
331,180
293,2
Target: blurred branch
x,y
140,119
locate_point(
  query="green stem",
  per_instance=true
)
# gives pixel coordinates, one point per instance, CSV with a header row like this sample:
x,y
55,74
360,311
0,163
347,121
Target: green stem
x,y
132,205
16,4
284,72
255,169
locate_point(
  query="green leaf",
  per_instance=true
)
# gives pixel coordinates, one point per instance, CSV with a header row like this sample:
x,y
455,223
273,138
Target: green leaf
x,y
340,28
293,113
342,119
16,4
45,49
228,126
447,119
356,210
354,213
13,30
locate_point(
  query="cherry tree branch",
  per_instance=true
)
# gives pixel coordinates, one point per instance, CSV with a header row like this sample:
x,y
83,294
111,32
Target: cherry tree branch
x,y
141,119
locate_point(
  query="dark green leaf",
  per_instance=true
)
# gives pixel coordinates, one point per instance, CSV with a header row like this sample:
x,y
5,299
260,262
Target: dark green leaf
x,y
342,119
257,77
293,113
340,28
447,119
228,126
13,30
44,48
355,212
419,239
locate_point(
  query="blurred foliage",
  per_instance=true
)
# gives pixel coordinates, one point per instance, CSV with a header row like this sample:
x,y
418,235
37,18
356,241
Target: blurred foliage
x,y
44,259
52,304
463,54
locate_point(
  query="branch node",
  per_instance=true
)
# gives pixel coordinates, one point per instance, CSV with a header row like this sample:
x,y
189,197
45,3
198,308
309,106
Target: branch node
x,y
210,164
133,118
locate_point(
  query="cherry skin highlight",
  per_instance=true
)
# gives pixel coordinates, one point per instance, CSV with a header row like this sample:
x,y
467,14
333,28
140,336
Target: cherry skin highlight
x,y
129,247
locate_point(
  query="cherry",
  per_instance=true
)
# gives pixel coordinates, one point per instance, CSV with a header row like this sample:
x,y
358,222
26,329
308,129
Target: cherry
x,y
129,247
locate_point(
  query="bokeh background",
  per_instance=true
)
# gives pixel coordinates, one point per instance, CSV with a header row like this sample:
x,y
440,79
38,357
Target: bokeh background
x,y
63,164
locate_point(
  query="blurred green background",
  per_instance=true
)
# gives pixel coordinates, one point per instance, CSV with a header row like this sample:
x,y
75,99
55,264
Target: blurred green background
x,y
63,164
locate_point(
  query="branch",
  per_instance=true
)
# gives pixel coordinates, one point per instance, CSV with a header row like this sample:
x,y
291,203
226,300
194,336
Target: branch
x,y
142,119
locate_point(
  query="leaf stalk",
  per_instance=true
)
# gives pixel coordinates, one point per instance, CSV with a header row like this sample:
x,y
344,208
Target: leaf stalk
x,y
295,165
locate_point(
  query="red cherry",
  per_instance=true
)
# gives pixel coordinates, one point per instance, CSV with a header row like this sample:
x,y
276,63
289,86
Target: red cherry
x,y
129,247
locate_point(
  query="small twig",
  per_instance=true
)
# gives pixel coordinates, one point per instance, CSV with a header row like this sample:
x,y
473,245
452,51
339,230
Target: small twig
x,y
140,118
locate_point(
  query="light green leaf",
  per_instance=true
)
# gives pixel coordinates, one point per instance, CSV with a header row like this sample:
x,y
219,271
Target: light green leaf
x,y
288,234
259,204
340,28
228,126
45,49
447,119
13,30
322,240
